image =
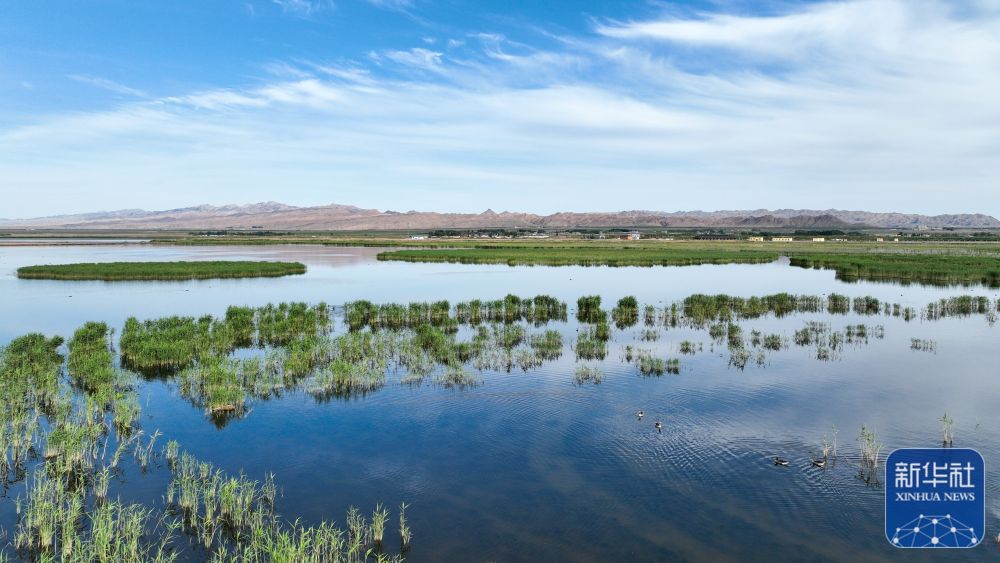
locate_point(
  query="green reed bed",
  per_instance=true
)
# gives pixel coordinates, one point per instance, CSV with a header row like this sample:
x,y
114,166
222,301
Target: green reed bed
x,y
538,310
342,379
91,361
396,316
30,372
57,523
70,464
701,308
927,268
215,384
279,324
175,342
234,518
961,306
357,362
172,342
604,255
241,323
152,271
65,512
30,369
922,263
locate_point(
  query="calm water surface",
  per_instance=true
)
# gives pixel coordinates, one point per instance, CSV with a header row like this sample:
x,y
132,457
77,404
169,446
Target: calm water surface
x,y
530,466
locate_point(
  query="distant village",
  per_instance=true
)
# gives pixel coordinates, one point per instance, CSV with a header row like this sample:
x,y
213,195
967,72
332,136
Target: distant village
x,y
634,235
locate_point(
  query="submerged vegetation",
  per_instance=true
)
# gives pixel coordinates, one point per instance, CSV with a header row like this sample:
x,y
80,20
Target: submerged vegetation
x,y
163,271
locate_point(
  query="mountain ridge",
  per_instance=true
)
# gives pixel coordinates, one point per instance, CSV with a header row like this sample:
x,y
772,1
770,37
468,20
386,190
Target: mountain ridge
x,y
339,217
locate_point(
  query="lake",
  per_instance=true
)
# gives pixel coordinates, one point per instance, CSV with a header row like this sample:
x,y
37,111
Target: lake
x,y
531,465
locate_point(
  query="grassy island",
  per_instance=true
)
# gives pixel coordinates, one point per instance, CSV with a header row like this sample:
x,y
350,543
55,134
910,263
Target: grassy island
x,y
934,269
150,271
584,256
928,263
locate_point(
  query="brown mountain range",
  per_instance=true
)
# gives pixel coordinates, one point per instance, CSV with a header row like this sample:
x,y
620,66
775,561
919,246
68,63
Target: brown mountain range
x,y
278,216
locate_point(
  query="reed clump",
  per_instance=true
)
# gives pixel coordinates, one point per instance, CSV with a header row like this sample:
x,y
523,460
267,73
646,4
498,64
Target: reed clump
x,y
588,309
625,313
590,345
90,357
588,374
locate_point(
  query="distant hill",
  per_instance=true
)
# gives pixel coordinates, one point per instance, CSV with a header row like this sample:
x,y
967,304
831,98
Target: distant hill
x,y
278,216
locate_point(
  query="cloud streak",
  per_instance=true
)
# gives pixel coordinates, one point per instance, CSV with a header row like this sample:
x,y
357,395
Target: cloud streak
x,y
109,85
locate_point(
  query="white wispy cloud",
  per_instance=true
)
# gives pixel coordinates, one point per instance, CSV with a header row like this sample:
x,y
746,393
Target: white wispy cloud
x,y
304,7
418,57
109,85
392,4
881,104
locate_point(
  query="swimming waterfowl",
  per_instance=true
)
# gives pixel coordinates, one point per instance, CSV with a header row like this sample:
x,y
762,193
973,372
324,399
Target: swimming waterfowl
x,y
640,414
821,463
659,427
781,462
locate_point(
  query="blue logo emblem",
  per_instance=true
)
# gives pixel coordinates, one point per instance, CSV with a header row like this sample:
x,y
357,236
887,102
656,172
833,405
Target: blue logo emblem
x,y
935,497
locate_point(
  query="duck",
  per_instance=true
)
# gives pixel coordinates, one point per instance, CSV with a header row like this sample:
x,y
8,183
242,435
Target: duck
x,y
780,461
820,463
640,414
659,426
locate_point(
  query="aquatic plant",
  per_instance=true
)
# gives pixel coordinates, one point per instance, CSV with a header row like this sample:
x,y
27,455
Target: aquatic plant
x,y
649,335
738,357
456,377
588,309
871,448
54,523
626,313
90,359
648,364
588,374
379,517
649,315
589,345
405,533
689,348
548,345
947,430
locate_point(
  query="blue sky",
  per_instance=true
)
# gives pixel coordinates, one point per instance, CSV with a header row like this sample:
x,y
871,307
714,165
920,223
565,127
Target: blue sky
x,y
522,105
